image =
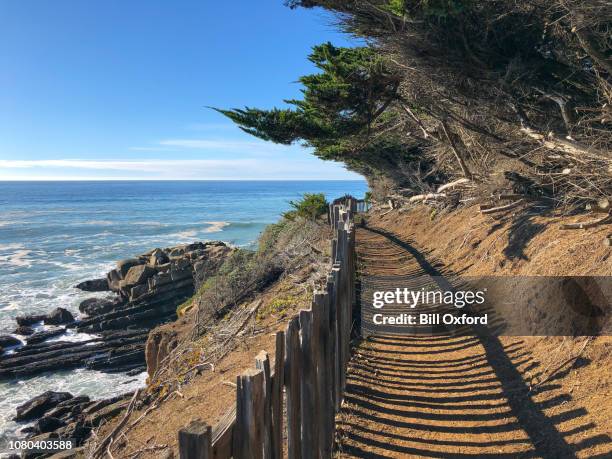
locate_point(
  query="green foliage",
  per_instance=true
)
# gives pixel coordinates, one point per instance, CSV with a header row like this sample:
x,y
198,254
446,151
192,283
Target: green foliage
x,y
339,107
310,207
279,307
270,236
368,196
397,7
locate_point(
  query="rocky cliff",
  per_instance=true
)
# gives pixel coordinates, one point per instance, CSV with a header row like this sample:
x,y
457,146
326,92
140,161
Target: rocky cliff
x,y
148,290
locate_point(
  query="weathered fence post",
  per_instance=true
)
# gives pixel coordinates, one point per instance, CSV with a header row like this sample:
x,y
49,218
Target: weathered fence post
x,y
277,397
195,441
309,427
325,406
293,384
311,358
262,362
248,435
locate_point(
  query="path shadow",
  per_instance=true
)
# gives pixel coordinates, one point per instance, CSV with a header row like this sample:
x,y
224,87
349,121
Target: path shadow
x,y
432,395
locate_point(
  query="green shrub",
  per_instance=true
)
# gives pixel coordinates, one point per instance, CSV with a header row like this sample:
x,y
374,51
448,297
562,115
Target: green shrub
x,y
310,207
278,307
438,9
397,7
270,235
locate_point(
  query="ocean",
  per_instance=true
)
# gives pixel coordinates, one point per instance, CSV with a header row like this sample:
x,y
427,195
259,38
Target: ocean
x,y
54,235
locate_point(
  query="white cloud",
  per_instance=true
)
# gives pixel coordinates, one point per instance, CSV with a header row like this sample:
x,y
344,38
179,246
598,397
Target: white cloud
x,y
144,165
233,145
299,168
216,145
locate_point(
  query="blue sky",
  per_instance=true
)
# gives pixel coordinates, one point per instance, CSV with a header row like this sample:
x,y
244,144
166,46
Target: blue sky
x,y
117,89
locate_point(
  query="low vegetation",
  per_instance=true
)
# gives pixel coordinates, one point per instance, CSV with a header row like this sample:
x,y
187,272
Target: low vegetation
x,y
311,207
282,248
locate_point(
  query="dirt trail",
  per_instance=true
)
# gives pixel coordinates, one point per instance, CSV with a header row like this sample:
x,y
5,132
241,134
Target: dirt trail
x,y
452,396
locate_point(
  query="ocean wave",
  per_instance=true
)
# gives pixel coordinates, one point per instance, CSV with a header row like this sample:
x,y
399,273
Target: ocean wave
x,y
13,246
19,258
215,227
187,234
73,337
77,382
150,223
98,222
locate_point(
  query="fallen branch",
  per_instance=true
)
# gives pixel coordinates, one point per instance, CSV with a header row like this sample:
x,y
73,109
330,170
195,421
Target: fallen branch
x,y
425,197
493,210
507,197
570,147
587,224
461,181
105,445
462,165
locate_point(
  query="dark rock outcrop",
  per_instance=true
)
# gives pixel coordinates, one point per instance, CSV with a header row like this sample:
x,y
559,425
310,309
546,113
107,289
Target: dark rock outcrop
x,y
40,404
48,424
149,288
73,418
30,319
94,285
8,340
59,316
97,306
37,358
44,335
24,330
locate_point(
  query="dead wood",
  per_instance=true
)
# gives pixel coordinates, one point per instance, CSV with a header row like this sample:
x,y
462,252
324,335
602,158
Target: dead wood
x,y
492,210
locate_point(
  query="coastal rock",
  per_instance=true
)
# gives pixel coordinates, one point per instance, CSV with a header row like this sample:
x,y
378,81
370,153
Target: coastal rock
x,y
69,453
109,411
39,405
8,340
138,291
137,275
37,358
28,431
124,266
76,430
30,454
70,408
41,336
24,330
114,280
149,288
160,343
59,316
158,257
29,319
97,306
48,424
94,285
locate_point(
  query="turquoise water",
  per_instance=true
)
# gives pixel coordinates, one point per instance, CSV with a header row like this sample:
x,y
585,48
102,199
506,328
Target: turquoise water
x,y
56,234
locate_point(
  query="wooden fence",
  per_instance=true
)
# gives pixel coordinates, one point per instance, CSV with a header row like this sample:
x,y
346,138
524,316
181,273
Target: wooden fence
x,y
309,369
